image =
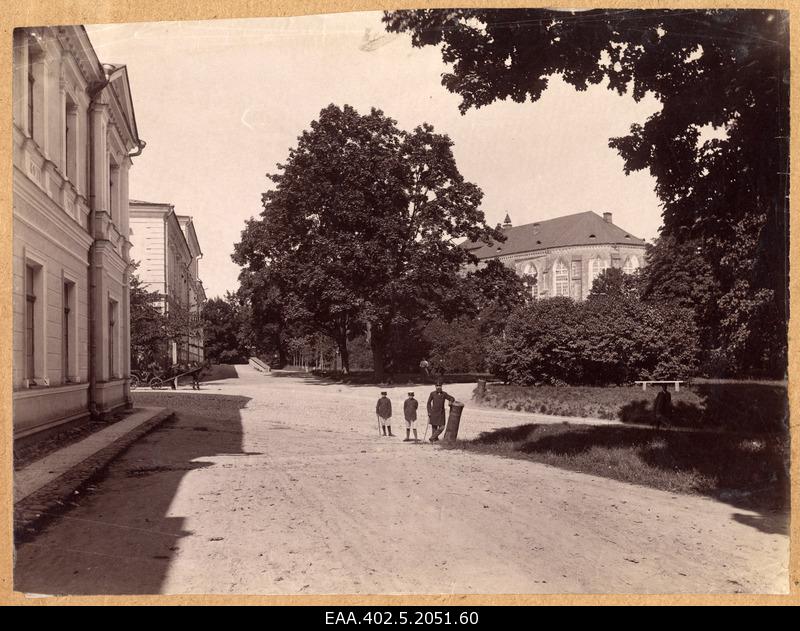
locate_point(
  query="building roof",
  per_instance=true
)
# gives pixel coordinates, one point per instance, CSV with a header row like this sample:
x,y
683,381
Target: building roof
x,y
587,228
156,205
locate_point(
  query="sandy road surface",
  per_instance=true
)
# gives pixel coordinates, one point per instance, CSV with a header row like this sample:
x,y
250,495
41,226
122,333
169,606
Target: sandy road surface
x,y
279,485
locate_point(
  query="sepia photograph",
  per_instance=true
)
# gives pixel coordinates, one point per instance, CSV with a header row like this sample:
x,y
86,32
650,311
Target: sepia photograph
x,y
440,301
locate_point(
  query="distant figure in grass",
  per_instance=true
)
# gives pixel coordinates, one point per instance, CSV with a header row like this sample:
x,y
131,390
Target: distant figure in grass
x,y
384,411
410,406
662,407
436,410
424,367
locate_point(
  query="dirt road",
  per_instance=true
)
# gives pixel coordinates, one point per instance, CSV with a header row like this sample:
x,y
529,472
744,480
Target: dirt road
x,y
278,485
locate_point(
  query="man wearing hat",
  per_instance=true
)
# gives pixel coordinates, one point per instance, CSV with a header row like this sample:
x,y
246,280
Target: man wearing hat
x,y
410,411
436,410
384,411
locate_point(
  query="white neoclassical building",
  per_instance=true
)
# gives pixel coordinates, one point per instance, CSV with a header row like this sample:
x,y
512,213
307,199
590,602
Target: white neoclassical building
x,y
75,136
165,246
565,254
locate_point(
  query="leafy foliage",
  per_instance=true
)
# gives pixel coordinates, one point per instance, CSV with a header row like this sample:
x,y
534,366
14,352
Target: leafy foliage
x,y
222,330
720,70
148,329
360,229
605,340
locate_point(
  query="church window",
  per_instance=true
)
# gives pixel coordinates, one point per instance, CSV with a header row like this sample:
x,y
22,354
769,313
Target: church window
x,y
596,267
561,279
533,280
631,265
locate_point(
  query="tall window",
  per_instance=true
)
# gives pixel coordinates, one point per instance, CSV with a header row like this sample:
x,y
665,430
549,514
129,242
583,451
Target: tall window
x,y
36,81
112,193
631,265
67,343
70,141
596,267
530,270
112,331
31,93
30,322
561,279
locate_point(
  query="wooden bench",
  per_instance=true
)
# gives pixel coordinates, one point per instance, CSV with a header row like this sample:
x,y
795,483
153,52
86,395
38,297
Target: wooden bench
x,y
676,382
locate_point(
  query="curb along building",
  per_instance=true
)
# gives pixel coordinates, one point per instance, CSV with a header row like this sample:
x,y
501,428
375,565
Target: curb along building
x,y
565,254
74,135
166,247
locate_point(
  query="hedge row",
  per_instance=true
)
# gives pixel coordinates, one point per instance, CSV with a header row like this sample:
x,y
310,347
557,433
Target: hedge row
x,y
600,341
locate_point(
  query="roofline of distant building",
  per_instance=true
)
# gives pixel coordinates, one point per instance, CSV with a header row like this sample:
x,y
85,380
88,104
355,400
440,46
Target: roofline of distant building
x,y
638,243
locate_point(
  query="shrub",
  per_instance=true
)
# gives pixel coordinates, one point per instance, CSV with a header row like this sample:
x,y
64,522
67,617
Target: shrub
x,y
607,339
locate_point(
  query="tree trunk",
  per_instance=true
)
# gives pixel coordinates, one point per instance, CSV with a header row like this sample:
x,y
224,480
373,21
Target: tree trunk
x,y
344,355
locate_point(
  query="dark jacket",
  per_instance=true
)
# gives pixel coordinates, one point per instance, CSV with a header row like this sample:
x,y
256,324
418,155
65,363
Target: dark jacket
x,y
410,409
663,403
436,407
384,407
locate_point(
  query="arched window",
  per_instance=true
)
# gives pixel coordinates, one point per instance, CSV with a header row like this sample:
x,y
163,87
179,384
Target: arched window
x,y
631,264
531,271
561,278
596,267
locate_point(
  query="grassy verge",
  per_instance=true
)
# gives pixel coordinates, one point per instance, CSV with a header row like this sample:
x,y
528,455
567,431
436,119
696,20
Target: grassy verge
x,y
742,407
750,471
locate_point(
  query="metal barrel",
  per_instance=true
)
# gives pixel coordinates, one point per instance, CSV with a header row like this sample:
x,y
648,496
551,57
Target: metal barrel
x,y
453,421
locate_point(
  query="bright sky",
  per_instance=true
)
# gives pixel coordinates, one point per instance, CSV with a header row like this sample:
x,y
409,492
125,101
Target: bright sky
x,y
219,103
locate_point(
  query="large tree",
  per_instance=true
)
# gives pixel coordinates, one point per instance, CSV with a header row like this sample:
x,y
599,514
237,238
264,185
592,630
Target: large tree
x,y
271,311
711,69
362,223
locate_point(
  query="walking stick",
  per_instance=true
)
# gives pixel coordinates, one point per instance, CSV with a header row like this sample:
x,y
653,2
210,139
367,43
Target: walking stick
x,y
426,430
379,424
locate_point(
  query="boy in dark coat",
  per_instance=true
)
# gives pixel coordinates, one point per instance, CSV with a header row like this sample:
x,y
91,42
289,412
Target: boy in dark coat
x,y
410,412
436,411
384,411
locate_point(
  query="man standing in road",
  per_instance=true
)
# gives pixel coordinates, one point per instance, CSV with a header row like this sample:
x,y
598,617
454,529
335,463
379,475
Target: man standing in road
x,y
384,411
410,412
436,410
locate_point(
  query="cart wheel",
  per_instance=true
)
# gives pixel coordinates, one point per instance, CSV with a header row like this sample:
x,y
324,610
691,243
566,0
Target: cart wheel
x,y
155,383
134,382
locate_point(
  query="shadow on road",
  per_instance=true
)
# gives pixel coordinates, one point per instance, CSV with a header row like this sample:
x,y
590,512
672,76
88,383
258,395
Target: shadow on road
x,y
747,472
135,530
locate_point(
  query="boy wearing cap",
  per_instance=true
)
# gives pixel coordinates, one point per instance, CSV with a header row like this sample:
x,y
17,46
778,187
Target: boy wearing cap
x,y
384,411
410,411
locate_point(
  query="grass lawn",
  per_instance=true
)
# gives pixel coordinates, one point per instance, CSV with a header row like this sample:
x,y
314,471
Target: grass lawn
x,y
735,406
749,471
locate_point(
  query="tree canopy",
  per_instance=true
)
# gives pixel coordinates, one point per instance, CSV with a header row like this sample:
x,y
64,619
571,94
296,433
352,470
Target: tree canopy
x,y
722,71
360,227
222,330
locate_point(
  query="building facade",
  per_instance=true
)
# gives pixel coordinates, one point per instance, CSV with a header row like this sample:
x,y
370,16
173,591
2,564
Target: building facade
x,y
566,254
166,248
74,137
